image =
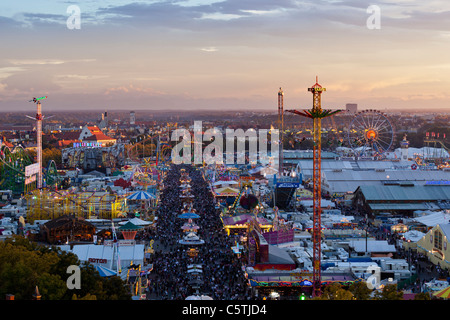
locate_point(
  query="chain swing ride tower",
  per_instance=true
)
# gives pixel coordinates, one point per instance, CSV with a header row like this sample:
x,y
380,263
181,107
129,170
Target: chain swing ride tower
x,y
39,118
281,129
317,114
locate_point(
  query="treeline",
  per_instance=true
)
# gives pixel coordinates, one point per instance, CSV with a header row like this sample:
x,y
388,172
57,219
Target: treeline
x,y
360,291
25,265
48,154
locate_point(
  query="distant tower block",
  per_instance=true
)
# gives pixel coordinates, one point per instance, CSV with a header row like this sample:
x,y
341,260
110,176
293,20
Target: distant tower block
x,y
404,145
132,118
106,118
351,107
39,118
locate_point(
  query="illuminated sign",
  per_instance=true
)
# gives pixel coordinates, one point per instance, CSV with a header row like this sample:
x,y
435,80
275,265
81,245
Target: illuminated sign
x,y
288,185
30,172
317,89
439,182
95,260
32,169
87,144
29,180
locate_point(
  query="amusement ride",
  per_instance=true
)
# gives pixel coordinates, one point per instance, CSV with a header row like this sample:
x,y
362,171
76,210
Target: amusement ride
x,y
370,133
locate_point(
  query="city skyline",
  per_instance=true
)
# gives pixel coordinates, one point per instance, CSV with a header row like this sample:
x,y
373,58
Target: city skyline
x,y
225,54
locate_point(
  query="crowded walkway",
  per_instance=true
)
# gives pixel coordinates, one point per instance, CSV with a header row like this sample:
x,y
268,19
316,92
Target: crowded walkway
x,y
222,276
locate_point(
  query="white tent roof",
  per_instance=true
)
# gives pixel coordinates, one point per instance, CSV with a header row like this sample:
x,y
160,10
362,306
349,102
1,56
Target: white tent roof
x,y
372,246
433,219
324,203
86,251
413,235
202,297
136,222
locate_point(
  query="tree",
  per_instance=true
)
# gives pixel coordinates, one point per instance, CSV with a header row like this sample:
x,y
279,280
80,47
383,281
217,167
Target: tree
x,y
86,297
360,290
51,286
115,289
47,155
335,291
422,296
25,265
22,269
389,292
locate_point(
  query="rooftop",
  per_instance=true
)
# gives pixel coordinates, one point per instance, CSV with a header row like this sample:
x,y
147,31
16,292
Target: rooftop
x,y
398,193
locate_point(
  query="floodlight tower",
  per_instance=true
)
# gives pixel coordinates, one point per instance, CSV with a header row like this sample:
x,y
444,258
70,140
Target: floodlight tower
x,y
39,118
317,114
281,129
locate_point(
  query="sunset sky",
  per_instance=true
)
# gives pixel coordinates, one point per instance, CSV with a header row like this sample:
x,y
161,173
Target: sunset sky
x,y
224,54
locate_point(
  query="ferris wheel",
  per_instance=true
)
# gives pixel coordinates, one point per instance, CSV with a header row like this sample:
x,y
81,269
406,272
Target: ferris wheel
x,y
371,133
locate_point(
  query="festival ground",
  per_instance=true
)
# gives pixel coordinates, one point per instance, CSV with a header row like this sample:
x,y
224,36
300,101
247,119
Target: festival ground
x,y
220,274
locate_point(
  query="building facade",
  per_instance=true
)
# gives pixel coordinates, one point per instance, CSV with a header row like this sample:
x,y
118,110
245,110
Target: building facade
x,y
434,244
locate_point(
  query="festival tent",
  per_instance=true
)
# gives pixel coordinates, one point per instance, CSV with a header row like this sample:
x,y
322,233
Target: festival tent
x,y
129,230
410,239
137,222
376,248
433,219
141,195
202,297
255,170
267,171
105,254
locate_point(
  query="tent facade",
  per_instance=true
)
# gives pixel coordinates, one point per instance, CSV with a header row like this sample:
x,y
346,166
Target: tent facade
x,y
227,192
435,245
104,255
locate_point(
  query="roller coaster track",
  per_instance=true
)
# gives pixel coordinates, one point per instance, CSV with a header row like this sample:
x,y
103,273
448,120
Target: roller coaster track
x,y
244,187
13,165
435,142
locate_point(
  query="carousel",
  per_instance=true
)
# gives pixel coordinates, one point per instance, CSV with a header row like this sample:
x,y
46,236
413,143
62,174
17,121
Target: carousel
x,y
191,238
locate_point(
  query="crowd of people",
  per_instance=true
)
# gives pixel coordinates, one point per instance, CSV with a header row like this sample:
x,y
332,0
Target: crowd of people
x,y
222,276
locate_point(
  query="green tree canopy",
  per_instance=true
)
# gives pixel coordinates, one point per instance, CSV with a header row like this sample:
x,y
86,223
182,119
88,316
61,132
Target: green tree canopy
x,y
389,292
335,291
360,290
25,265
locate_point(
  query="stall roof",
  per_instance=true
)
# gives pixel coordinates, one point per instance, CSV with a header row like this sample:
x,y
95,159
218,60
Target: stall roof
x,y
86,251
279,256
408,193
372,246
403,206
433,219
